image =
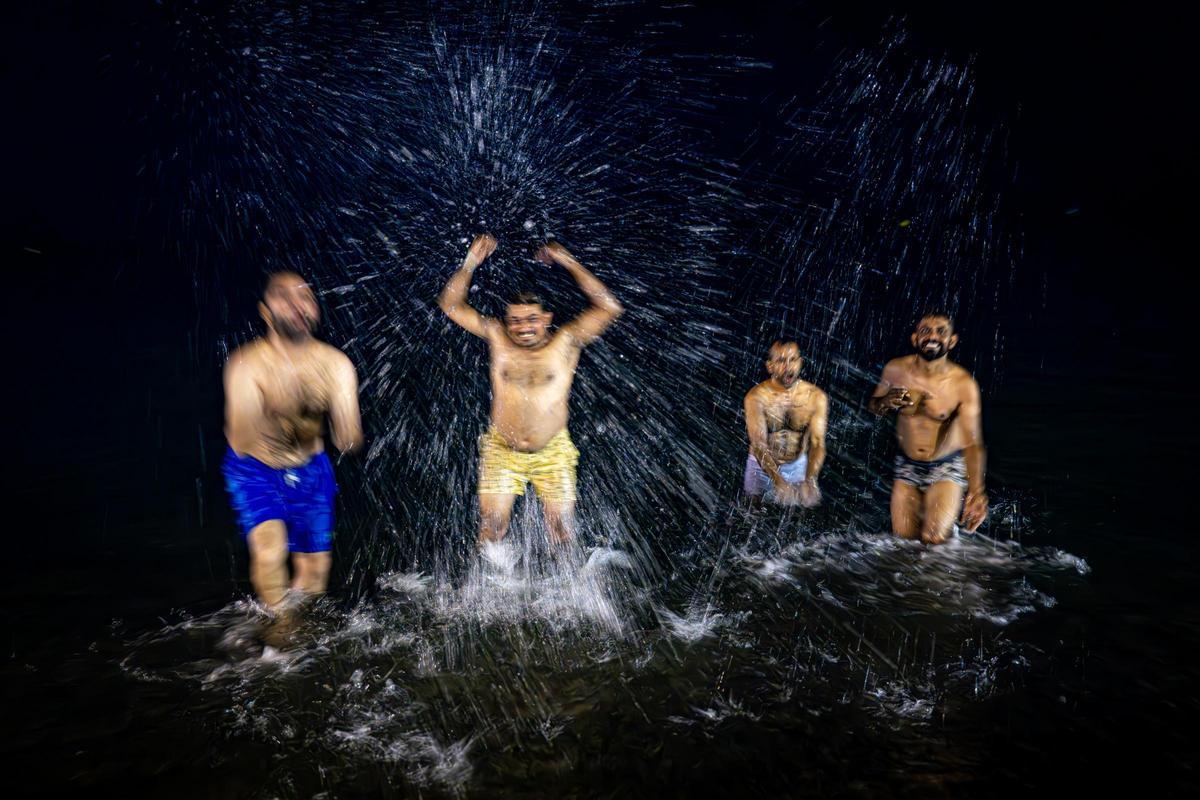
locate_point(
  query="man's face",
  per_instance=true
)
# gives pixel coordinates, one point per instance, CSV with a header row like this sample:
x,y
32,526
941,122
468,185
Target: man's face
x,y
526,325
934,338
784,362
291,307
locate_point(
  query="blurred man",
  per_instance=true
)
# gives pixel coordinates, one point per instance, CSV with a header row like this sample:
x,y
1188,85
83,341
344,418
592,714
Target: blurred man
x,y
786,419
278,391
940,433
532,370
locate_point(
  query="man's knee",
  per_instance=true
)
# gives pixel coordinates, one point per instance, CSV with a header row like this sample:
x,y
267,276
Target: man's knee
x,y
312,572
942,503
906,511
558,525
315,563
560,521
495,521
938,525
936,532
493,525
268,542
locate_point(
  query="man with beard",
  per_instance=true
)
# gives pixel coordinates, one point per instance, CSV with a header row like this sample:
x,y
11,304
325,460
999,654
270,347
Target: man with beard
x,y
786,419
532,370
940,433
278,390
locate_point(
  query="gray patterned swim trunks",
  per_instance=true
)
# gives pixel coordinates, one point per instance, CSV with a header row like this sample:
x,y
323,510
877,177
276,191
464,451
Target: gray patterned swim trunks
x,y
924,474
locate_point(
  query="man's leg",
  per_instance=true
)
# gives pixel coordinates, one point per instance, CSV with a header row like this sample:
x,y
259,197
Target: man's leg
x,y
311,572
906,510
268,561
494,513
560,520
554,479
943,501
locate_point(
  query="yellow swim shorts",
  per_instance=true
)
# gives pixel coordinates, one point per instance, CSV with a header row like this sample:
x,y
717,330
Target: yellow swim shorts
x,y
551,470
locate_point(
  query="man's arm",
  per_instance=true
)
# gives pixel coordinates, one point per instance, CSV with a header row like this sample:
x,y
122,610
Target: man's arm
x,y
970,422
605,308
760,448
889,394
243,404
809,492
453,299
816,438
345,423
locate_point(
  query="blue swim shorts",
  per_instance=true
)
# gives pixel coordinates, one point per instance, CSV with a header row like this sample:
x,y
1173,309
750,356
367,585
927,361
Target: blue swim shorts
x,y
302,497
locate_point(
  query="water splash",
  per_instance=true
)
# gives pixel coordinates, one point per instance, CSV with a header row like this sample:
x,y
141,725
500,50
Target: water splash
x,y
366,149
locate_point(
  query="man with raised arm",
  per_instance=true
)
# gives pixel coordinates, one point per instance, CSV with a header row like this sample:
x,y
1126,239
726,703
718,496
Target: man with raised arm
x,y
939,430
532,370
786,419
278,391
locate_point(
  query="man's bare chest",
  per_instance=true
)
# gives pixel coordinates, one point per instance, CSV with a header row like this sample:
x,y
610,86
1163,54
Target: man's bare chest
x,y
787,413
532,371
934,400
295,392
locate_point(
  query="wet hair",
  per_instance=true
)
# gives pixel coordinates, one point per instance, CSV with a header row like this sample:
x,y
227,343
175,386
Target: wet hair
x,y
784,343
935,313
273,274
526,299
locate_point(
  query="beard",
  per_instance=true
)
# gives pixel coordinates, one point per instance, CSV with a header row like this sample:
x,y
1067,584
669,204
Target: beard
x,y
931,353
293,332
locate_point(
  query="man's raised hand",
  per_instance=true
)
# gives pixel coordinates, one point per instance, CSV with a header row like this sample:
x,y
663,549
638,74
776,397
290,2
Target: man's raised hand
x,y
481,248
553,253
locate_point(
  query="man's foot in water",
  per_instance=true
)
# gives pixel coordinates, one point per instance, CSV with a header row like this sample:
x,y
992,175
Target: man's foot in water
x,y
499,556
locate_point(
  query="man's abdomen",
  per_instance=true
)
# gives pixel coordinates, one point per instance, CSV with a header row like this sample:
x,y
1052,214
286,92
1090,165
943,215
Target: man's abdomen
x,y
527,424
923,439
786,445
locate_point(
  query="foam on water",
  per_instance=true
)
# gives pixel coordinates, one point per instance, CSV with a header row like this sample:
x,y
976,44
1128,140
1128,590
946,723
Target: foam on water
x,y
432,675
968,577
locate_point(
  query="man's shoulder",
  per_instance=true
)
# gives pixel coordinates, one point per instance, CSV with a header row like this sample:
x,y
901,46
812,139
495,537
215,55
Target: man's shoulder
x,y
758,390
962,376
899,364
815,393
564,339
332,354
248,355
335,362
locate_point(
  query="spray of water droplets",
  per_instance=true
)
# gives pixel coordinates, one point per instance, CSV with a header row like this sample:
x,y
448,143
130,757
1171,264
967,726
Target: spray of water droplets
x,y
366,149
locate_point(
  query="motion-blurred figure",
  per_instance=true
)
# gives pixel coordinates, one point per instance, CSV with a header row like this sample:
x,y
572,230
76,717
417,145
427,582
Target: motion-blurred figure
x,y
278,391
532,370
940,432
786,419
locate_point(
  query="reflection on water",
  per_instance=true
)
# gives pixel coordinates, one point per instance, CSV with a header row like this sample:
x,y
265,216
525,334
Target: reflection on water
x,y
535,672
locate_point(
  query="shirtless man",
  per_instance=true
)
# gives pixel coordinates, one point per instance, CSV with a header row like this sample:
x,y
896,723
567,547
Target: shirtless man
x,y
532,370
786,420
940,433
278,390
